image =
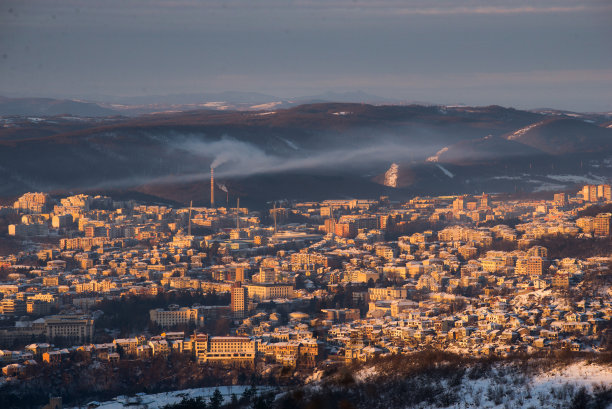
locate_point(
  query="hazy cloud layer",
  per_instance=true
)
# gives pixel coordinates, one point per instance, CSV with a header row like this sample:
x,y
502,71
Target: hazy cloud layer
x,y
520,53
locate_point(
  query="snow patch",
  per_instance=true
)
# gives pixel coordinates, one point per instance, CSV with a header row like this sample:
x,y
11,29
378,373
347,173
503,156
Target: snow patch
x,y
436,157
159,400
579,374
221,105
546,187
290,144
268,105
391,175
446,171
522,131
507,177
590,179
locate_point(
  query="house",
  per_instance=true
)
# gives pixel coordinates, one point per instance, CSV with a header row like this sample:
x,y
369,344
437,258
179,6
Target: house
x,y
52,357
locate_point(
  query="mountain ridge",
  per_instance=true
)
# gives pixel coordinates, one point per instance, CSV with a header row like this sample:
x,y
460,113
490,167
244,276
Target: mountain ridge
x,y
323,146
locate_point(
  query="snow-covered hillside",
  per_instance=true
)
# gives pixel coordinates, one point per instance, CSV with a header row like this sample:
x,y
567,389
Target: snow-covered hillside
x,y
523,131
391,175
159,400
481,385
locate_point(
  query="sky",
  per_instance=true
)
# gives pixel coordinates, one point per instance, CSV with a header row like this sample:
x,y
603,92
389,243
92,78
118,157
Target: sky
x,y
525,54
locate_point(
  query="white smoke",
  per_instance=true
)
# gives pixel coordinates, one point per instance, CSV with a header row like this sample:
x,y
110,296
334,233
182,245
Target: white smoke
x,y
233,158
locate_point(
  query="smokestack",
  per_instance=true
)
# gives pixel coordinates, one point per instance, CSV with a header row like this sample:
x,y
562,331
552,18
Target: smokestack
x,y
212,187
190,206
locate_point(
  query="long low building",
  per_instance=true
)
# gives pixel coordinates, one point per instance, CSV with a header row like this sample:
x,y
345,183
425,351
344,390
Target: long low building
x,y
269,291
196,315
70,327
225,350
74,328
173,317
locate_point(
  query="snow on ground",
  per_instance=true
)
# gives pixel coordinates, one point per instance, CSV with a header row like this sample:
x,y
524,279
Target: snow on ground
x,y
546,187
525,298
216,104
446,171
590,179
290,144
524,130
553,389
268,105
507,177
159,400
580,374
366,373
436,157
391,175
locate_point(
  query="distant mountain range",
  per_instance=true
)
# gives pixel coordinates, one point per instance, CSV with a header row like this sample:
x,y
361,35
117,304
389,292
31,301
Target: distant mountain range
x,y
51,107
134,106
308,151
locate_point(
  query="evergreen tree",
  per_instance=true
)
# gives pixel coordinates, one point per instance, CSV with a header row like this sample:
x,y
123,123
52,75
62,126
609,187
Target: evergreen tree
x,y
216,399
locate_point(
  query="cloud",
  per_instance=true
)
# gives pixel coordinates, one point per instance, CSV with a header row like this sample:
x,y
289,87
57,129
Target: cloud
x,y
493,10
188,9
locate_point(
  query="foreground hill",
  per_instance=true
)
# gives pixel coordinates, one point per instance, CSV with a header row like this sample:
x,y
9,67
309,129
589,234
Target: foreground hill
x,y
409,382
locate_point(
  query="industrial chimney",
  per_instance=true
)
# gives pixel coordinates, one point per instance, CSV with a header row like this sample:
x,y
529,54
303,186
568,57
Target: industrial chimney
x,y
212,187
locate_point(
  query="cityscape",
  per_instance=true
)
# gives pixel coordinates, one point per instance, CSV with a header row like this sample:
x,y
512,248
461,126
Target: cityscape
x,y
276,296
305,204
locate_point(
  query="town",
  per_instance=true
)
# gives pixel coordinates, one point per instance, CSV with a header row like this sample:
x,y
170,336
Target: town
x,y
303,285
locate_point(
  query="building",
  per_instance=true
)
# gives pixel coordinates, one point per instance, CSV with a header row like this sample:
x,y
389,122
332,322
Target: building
x,y
70,327
561,280
388,293
535,266
269,291
589,193
239,301
601,224
61,221
560,199
224,350
176,316
28,230
32,202
606,192
240,274
593,193
459,203
345,230
484,201
126,345
13,306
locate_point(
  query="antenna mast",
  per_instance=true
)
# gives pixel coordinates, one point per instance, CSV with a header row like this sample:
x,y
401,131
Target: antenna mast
x,y
238,215
274,212
189,228
212,187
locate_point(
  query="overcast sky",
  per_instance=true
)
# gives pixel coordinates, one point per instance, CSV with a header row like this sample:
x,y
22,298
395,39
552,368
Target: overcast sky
x,y
526,54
